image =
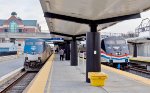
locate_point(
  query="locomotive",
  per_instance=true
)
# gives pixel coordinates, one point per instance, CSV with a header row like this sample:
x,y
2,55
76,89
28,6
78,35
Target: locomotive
x,y
36,52
114,51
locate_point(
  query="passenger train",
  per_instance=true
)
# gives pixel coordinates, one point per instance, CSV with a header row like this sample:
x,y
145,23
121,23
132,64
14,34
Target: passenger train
x,y
36,52
114,51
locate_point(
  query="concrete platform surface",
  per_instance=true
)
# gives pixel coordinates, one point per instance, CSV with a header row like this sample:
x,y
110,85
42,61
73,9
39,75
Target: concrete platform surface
x,y
68,79
118,83
140,59
71,79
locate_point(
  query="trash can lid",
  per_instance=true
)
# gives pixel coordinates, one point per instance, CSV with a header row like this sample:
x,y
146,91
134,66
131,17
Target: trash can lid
x,y
96,74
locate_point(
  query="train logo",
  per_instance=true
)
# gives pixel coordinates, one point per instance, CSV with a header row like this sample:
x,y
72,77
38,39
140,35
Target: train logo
x,y
33,47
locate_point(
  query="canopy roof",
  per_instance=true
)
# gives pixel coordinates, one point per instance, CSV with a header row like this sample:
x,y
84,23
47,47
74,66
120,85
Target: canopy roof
x,y
139,40
103,12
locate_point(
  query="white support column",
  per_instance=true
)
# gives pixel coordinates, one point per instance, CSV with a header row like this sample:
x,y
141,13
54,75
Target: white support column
x,y
79,59
148,68
83,63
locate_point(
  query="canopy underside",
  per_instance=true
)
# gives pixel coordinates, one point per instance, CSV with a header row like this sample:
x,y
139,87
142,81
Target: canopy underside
x,y
90,10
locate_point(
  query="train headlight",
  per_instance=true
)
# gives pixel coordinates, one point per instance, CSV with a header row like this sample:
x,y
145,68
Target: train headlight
x,y
126,60
118,53
111,61
26,58
39,58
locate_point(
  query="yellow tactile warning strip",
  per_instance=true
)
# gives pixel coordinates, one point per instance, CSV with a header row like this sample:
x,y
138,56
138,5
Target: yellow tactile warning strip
x,y
140,59
39,83
129,75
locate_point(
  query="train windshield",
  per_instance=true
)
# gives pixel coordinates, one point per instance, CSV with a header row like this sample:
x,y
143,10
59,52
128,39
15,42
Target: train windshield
x,y
120,42
38,43
110,42
29,43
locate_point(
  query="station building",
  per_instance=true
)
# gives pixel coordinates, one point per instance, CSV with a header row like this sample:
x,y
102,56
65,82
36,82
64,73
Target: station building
x,y
15,24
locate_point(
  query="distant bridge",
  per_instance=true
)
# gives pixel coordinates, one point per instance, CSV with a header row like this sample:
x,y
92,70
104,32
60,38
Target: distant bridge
x,y
24,35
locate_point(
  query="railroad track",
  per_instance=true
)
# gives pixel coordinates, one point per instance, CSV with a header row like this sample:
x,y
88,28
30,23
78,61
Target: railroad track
x,y
140,70
18,83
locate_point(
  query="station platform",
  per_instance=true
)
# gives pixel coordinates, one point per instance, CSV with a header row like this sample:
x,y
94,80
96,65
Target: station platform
x,y
63,78
140,59
69,79
10,63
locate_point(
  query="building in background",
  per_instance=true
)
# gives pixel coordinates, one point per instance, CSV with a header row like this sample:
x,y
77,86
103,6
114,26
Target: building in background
x,y
16,24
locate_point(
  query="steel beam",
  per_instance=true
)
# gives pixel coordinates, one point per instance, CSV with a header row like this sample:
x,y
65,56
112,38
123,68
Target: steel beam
x,y
88,21
119,18
61,34
66,18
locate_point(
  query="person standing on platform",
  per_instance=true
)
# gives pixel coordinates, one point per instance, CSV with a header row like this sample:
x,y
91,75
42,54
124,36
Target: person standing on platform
x,y
61,52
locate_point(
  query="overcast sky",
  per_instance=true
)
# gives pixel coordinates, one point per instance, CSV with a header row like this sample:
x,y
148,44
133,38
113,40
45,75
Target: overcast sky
x,y
128,25
31,9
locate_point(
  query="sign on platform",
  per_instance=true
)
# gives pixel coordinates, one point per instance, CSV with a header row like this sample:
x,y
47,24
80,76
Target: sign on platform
x,y
56,40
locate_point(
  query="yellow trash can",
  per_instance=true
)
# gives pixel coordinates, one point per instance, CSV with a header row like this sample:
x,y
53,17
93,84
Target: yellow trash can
x,y
97,78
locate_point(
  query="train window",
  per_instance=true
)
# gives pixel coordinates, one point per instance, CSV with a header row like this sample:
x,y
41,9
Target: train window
x,y
29,43
110,42
38,43
103,45
120,42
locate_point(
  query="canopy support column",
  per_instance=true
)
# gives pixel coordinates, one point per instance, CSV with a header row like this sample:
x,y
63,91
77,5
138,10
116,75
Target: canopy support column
x,y
134,50
74,61
93,51
67,50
